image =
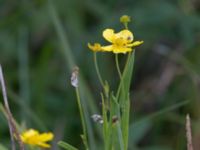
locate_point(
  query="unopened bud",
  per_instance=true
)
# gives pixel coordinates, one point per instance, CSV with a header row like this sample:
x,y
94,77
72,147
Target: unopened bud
x,y
74,77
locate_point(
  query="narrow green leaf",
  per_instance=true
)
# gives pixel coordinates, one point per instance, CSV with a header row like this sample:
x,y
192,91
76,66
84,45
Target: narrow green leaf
x,y
125,121
161,112
128,71
89,106
115,124
66,146
123,97
105,120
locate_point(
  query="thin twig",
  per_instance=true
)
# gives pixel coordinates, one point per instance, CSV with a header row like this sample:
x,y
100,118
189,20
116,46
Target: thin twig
x,y
188,133
7,108
12,127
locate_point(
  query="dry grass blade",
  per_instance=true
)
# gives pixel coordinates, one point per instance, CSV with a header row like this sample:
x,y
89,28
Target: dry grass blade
x,y
188,133
12,127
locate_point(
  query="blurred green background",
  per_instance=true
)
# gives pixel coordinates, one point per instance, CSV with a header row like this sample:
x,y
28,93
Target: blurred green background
x,y
41,41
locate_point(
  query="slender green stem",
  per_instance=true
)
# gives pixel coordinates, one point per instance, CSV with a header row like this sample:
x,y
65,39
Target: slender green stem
x,y
120,136
126,26
105,121
125,68
85,140
124,103
117,65
120,74
97,69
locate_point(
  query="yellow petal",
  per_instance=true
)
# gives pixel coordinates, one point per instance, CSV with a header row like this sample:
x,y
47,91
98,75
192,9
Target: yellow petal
x,y
136,43
109,35
124,50
44,145
29,133
107,48
33,137
45,137
125,35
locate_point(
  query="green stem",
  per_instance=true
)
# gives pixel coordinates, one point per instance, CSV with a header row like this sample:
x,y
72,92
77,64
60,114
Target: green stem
x,y
117,65
97,70
126,26
120,74
105,123
85,141
120,136
124,103
121,78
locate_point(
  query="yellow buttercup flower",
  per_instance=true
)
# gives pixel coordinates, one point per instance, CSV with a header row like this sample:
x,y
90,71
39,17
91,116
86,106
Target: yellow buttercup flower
x,y
121,42
33,137
96,47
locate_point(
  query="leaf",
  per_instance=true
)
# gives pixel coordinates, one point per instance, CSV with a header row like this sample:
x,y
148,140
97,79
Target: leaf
x,y
126,78
66,146
123,97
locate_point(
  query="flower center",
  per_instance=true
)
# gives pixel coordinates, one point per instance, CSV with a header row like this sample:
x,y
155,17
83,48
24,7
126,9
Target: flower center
x,y
120,42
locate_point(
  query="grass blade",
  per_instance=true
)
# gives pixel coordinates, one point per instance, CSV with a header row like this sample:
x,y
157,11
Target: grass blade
x,y
66,146
88,106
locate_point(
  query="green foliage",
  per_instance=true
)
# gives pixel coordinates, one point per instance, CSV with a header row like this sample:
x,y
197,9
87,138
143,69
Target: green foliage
x,y
66,146
54,37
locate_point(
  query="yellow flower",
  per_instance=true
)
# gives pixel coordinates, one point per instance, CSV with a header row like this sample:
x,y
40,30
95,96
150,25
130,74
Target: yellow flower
x,y
125,19
33,137
121,42
96,47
